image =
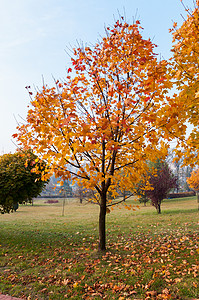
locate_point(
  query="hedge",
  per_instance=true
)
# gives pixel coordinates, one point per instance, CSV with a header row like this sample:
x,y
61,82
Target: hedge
x,y
181,195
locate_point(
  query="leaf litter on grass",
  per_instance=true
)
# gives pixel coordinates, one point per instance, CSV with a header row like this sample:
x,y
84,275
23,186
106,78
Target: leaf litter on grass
x,y
153,265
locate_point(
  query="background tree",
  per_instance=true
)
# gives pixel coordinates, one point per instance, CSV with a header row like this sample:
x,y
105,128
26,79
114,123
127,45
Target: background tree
x,y
18,181
187,170
193,182
83,194
185,70
156,183
67,189
161,180
110,115
49,189
142,187
80,193
180,170
53,188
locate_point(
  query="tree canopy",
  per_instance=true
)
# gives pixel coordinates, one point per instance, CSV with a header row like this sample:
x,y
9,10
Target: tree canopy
x,y
193,180
18,181
185,70
107,118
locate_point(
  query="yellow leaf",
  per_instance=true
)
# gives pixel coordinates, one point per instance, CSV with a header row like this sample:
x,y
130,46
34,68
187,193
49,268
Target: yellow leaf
x,y
75,284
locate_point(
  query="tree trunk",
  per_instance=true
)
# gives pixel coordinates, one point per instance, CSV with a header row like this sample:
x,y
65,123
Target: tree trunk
x,y
63,206
158,208
80,196
102,224
124,195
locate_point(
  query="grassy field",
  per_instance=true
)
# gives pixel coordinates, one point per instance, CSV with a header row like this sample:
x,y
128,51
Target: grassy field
x,y
44,255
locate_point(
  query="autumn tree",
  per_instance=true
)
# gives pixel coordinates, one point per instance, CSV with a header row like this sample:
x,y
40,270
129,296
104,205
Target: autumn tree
x,y
185,71
156,183
193,182
110,114
161,181
18,181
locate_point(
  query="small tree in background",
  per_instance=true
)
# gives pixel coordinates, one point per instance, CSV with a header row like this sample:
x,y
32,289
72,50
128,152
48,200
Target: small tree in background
x,y
79,192
156,183
193,182
66,189
161,180
18,181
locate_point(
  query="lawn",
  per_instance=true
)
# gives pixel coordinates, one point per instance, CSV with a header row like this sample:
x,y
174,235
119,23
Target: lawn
x,y
44,255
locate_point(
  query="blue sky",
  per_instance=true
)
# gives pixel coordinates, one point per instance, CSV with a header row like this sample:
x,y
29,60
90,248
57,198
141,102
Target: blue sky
x,y
35,34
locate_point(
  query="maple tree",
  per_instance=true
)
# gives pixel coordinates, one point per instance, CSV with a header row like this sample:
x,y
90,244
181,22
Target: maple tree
x,y
185,70
108,117
18,182
193,182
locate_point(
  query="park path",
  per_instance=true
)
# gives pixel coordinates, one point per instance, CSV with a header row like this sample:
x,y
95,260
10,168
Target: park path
x,y
5,297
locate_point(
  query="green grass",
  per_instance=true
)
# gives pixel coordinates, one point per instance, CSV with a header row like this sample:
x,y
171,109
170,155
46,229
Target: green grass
x,y
44,255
